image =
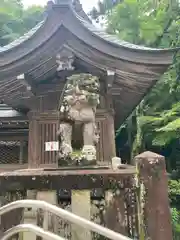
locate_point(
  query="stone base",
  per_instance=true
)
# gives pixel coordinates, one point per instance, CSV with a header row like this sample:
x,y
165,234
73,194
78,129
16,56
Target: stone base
x,y
86,157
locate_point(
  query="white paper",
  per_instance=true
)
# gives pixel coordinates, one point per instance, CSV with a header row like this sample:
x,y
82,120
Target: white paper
x,y
51,146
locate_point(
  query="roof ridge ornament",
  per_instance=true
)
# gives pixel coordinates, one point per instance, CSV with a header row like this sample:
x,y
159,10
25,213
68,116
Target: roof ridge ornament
x,y
64,60
63,2
77,5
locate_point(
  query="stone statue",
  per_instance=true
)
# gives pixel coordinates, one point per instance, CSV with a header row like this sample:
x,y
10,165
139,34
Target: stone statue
x,y
79,104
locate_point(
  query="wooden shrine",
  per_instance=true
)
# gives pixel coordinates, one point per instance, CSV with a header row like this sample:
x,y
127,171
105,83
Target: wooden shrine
x,y
34,73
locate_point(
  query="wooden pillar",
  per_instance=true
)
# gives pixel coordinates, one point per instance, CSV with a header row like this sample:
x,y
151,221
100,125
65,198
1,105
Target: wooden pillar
x,y
111,130
1,204
42,129
81,206
153,176
33,144
21,152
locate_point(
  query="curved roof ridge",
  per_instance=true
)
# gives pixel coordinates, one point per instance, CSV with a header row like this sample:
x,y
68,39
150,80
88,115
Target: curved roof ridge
x,y
96,31
76,8
80,11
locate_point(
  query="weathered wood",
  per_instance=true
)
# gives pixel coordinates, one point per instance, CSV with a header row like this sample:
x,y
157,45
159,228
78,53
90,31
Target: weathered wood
x,y
110,78
12,167
111,131
33,144
81,206
48,132
21,152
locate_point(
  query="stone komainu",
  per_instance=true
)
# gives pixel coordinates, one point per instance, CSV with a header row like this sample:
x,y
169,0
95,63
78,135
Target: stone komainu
x,y
78,107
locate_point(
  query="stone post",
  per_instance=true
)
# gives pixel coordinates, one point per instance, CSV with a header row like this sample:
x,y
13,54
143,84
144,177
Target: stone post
x,y
115,212
81,206
157,217
49,220
30,217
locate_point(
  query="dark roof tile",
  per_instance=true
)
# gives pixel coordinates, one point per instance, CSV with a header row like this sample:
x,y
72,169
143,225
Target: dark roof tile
x,y
99,32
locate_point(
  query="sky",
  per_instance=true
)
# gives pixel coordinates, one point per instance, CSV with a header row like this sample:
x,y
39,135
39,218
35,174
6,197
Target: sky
x,y
87,4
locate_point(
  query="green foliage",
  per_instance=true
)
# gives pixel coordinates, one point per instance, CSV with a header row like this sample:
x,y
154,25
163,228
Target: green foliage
x,y
174,188
176,223
171,126
174,193
104,7
154,24
15,20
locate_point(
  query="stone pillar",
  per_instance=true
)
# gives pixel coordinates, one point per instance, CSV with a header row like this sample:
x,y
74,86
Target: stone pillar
x,y
153,176
30,217
115,212
81,206
49,221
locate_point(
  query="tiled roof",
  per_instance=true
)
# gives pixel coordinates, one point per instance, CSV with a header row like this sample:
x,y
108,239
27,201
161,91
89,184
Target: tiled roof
x,y
97,31
112,39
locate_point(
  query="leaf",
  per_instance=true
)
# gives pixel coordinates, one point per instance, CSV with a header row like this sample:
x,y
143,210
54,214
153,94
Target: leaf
x,y
164,138
149,121
170,127
15,20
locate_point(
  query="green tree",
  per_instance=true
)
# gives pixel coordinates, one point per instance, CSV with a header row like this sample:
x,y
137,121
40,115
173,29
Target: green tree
x,y
157,125
155,25
15,20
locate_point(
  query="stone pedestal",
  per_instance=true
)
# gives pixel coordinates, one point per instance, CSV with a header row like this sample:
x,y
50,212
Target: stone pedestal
x,y
81,206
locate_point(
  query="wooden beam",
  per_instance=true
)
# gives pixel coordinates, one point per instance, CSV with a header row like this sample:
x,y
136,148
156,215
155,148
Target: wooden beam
x,y
21,78
28,83
110,80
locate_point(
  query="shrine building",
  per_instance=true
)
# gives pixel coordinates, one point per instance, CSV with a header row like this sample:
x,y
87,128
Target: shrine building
x,y
34,71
